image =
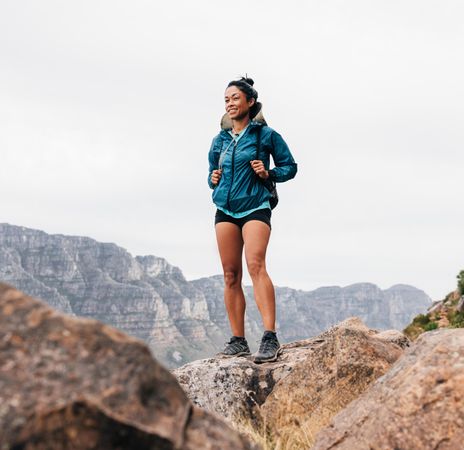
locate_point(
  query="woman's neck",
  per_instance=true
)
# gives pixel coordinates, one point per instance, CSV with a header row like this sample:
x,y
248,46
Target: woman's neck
x,y
239,125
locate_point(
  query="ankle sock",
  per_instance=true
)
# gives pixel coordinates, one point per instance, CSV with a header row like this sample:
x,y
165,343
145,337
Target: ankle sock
x,y
270,333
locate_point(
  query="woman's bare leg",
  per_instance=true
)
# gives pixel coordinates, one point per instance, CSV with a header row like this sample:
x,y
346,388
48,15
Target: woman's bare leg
x,y
256,238
230,244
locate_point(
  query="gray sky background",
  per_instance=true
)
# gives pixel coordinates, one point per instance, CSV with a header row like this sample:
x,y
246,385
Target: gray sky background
x,y
108,109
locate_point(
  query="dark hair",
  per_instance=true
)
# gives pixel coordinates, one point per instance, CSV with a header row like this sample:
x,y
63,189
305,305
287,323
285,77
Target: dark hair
x,y
246,86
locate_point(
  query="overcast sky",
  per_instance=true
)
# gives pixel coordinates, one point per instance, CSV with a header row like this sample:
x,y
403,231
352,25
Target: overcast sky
x,y
108,109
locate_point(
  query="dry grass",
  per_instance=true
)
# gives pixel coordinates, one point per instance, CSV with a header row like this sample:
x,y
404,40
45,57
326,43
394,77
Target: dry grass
x,y
288,438
296,437
293,431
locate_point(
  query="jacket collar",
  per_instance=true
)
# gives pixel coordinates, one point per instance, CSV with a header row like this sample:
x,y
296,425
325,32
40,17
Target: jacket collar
x,y
258,120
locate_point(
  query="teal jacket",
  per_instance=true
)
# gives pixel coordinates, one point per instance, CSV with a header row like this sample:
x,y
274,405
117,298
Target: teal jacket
x,y
239,188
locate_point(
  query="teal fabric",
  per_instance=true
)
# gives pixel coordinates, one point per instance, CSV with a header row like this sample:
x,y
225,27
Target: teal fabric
x,y
238,177
245,213
265,204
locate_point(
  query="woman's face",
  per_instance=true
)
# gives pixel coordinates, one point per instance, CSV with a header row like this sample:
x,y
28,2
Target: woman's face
x,y
237,105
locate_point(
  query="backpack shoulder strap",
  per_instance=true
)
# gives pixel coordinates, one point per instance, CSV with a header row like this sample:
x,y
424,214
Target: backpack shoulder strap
x,y
258,140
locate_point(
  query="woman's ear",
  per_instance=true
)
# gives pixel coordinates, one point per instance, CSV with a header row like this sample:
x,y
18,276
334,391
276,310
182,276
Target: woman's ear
x,y
251,102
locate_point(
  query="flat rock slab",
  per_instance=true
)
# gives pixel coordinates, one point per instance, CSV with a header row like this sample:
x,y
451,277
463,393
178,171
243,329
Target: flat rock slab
x,y
311,377
232,387
69,383
417,405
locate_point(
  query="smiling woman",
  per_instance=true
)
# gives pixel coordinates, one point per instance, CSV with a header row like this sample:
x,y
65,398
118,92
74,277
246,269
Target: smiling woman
x,y
238,166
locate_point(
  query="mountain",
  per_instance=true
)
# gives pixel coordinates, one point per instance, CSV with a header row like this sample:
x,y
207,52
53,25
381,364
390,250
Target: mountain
x,y
180,320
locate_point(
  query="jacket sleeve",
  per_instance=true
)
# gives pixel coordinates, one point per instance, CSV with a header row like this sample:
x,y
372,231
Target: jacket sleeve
x,y
213,159
285,166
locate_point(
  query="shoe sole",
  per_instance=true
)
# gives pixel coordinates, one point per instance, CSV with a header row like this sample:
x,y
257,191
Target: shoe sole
x,y
232,356
274,358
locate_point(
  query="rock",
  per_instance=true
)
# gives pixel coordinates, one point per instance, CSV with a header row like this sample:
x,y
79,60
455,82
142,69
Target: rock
x,y
417,405
77,383
349,358
436,306
460,305
395,337
207,432
312,380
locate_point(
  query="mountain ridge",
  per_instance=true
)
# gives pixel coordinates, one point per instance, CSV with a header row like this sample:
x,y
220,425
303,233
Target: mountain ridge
x,y
180,319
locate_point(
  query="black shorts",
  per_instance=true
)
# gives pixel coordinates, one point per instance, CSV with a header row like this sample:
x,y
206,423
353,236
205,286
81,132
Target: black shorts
x,y
263,215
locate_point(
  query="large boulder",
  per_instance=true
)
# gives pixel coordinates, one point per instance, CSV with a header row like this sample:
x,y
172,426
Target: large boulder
x,y
417,405
69,383
297,395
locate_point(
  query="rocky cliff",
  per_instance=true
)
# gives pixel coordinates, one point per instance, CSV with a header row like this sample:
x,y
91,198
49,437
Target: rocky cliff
x,y
180,320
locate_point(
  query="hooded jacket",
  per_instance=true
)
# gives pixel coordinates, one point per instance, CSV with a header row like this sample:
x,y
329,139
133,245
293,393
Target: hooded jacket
x,y
239,188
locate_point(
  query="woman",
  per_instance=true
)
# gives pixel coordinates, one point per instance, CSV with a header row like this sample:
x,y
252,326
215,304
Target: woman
x,y
243,216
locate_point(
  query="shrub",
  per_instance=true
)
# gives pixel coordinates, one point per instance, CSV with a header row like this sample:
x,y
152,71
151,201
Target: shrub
x,y
421,320
431,326
413,331
417,326
460,278
456,319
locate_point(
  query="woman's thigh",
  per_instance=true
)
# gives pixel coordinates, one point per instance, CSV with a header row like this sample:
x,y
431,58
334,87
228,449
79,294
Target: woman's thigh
x,y
230,245
256,236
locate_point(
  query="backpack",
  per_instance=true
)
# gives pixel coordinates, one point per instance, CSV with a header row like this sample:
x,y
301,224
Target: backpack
x,y
270,185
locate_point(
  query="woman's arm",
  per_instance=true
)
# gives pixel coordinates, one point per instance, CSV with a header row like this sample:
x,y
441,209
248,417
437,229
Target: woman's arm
x,y
213,159
285,166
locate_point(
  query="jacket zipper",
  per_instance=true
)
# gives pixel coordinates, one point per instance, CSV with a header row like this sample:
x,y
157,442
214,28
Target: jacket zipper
x,y
232,177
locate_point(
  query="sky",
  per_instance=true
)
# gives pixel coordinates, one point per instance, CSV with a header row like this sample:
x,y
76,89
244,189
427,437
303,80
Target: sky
x,y
108,110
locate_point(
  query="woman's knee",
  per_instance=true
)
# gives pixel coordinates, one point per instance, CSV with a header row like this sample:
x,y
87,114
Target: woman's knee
x,y
232,277
256,267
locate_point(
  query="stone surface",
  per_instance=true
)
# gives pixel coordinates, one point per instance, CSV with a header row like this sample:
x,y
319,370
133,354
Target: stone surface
x,y
73,383
395,337
417,405
180,320
460,305
313,378
349,358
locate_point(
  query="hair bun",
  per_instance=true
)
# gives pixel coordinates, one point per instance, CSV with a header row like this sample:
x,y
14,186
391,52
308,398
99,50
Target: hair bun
x,y
247,80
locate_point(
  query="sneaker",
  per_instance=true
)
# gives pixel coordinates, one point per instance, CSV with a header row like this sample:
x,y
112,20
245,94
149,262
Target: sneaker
x,y
269,349
237,346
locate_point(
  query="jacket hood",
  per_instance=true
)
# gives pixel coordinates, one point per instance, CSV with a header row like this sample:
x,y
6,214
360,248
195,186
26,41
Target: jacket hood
x,y
226,123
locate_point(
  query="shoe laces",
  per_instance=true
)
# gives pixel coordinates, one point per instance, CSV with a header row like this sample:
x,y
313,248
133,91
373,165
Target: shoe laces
x,y
235,344
267,343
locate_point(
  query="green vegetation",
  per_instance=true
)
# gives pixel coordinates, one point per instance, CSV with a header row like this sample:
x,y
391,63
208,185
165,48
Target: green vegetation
x,y
421,320
424,322
456,320
460,278
431,326
417,327
420,323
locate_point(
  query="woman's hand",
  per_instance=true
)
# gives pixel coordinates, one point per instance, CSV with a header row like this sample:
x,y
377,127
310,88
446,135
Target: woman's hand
x,y
258,167
216,176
